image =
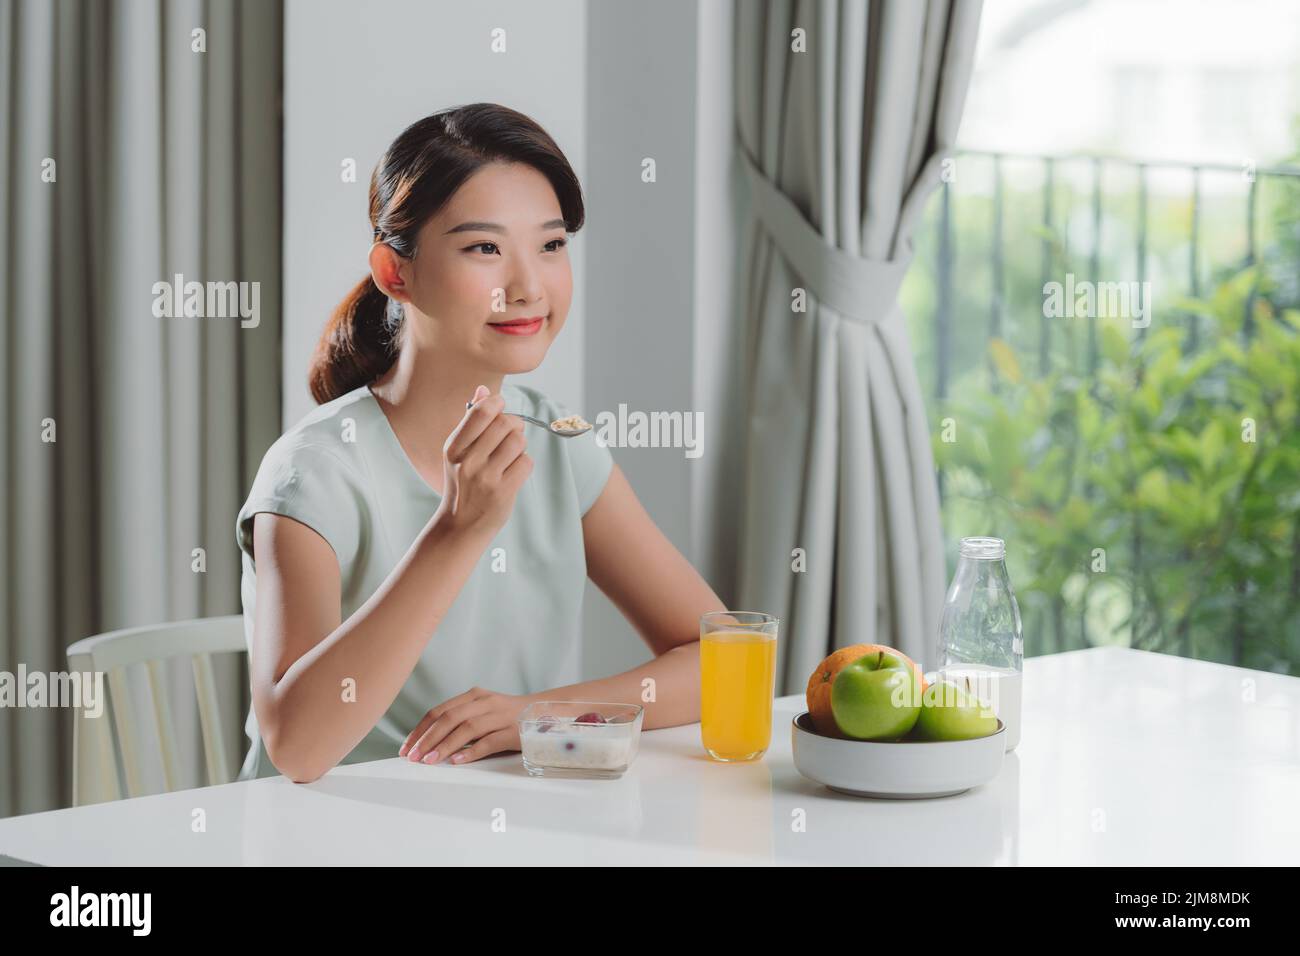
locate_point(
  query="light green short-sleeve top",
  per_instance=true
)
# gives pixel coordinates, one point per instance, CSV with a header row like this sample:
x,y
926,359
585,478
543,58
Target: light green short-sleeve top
x,y
515,625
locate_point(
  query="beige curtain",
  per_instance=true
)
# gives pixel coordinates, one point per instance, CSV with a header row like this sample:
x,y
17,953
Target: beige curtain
x,y
166,161
843,139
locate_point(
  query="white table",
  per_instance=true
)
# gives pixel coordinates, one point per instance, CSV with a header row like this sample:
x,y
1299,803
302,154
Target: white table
x,y
1126,758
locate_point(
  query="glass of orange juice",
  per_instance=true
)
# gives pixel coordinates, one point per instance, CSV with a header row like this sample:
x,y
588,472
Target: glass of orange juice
x,y
737,682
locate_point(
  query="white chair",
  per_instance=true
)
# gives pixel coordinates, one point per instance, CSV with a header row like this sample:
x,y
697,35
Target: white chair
x,y
94,763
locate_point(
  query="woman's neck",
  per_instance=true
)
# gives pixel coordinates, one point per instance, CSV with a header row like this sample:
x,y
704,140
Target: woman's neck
x,y
424,398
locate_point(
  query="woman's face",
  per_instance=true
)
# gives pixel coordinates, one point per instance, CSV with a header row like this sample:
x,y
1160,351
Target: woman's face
x,y
495,254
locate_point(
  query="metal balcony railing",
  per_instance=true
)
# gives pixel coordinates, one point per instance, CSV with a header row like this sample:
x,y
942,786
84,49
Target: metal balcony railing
x,y
1050,164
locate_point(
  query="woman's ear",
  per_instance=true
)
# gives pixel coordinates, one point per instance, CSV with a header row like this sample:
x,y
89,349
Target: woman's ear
x,y
386,268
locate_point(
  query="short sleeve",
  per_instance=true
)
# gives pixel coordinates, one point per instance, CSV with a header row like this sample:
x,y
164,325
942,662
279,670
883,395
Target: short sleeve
x,y
591,463
312,485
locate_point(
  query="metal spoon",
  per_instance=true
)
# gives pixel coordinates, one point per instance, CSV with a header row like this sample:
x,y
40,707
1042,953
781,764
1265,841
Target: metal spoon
x,y
561,432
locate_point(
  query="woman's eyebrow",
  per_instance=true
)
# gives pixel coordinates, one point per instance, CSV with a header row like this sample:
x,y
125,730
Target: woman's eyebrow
x,y
497,227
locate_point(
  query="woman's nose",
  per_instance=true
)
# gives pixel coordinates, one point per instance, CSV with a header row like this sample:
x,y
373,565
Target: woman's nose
x,y
525,283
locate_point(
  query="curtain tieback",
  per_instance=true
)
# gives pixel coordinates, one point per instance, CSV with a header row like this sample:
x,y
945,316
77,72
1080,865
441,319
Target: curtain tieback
x,y
864,290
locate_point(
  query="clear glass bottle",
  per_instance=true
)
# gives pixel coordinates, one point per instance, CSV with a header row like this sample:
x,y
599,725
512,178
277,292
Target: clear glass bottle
x,y
980,646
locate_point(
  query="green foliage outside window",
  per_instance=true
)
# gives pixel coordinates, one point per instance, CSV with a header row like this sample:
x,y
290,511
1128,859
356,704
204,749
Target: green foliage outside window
x,y
1151,499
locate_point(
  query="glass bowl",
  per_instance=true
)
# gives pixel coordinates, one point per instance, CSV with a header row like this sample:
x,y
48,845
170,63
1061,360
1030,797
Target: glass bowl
x,y
555,743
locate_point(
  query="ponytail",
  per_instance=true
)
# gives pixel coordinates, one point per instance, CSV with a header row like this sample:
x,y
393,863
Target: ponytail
x,y
357,346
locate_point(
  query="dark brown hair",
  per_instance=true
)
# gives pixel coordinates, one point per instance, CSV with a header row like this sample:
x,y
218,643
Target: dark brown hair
x,y
421,170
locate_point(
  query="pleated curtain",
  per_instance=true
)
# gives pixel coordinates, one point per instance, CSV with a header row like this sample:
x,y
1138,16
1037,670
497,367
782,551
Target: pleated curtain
x,y
844,111
166,161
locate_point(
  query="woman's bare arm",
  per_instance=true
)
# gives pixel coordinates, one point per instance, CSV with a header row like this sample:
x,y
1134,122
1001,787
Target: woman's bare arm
x,y
320,684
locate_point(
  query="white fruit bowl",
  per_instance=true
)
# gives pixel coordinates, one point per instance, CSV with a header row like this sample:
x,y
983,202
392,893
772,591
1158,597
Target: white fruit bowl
x,y
904,770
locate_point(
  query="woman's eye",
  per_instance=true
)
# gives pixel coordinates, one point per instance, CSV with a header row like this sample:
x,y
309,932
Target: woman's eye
x,y
492,249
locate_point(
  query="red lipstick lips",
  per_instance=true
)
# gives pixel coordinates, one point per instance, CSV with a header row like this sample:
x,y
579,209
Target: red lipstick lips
x,y
525,326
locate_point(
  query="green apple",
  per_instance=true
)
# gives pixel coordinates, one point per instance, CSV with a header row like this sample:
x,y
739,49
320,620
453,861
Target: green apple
x,y
877,697
950,713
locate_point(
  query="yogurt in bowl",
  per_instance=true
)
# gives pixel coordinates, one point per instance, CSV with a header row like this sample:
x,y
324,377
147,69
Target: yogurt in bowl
x,y
579,738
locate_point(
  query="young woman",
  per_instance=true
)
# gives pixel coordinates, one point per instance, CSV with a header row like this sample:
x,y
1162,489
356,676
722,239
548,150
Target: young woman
x,y
413,570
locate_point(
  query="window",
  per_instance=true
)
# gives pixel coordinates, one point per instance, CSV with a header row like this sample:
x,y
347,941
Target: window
x,y
1105,306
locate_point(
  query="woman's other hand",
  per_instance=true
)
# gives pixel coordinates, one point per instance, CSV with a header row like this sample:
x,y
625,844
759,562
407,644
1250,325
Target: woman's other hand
x,y
482,718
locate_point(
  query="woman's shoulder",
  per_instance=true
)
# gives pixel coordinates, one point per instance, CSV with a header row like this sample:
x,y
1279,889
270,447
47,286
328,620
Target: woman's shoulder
x,y
314,473
330,435
324,452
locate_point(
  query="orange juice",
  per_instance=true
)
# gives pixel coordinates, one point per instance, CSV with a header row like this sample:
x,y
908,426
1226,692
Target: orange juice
x,y
737,679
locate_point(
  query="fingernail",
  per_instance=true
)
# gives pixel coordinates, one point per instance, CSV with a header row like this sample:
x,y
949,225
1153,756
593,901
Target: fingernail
x,y
481,392
458,758
401,751
414,755
431,757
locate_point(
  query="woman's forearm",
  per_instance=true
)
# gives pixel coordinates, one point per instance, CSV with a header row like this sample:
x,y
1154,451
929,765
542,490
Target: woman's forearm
x,y
335,693
672,698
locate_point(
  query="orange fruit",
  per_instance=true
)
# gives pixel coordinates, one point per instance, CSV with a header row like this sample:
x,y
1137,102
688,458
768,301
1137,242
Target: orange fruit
x,y
821,679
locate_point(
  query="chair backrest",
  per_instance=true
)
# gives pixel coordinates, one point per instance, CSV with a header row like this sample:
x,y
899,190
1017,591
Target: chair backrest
x,y
95,768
